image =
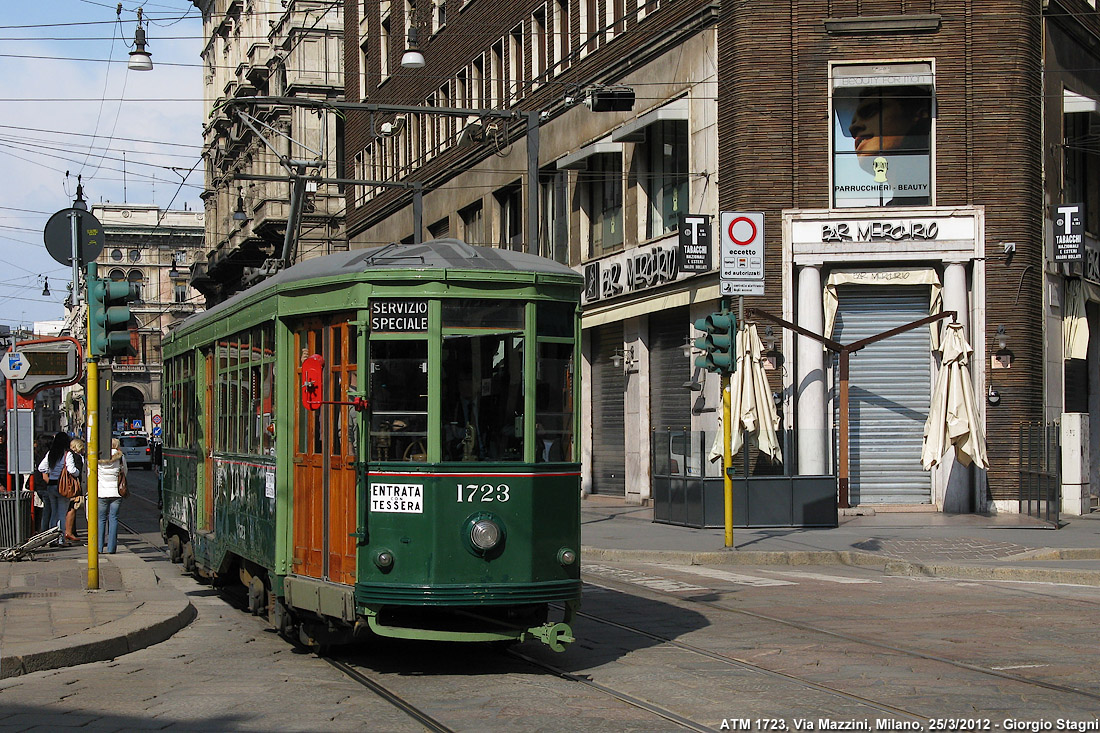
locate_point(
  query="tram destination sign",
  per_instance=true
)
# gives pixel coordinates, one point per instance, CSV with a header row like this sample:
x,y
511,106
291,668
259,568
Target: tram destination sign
x,y
399,315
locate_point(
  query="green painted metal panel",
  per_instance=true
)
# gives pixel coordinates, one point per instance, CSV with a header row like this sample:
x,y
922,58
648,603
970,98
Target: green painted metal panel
x,y
537,507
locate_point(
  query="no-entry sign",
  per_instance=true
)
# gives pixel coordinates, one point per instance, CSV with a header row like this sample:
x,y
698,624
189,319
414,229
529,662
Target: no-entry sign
x,y
742,235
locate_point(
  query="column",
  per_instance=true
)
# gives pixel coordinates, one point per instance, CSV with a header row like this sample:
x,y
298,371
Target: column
x,y
811,426
951,484
954,294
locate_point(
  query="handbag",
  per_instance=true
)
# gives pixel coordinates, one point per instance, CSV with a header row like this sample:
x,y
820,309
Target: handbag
x,y
123,489
68,485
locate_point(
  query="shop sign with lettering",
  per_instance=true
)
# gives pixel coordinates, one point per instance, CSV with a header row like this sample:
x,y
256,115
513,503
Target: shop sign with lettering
x,y
1069,233
399,315
694,243
632,271
879,231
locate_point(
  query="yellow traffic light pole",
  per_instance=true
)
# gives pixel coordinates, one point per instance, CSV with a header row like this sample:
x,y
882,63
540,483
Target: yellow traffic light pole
x,y
92,392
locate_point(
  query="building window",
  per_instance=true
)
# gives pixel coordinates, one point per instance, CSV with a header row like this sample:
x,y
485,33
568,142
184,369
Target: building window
x,y
496,75
882,135
137,283
439,15
589,38
180,292
359,195
510,208
665,179
116,255
384,48
364,63
135,255
515,63
560,45
477,82
473,223
602,197
539,46
554,213
615,20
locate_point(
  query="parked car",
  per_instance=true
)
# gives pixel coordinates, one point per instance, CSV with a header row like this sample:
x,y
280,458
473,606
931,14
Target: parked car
x,y
137,450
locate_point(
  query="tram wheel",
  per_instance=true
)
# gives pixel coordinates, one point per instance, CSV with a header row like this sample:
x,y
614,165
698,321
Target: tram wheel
x,y
187,556
257,597
175,549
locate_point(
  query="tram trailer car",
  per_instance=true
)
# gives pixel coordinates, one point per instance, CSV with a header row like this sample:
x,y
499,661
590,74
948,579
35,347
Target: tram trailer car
x,y
384,441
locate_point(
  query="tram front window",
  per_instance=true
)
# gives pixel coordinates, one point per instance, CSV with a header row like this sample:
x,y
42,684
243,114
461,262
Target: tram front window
x,y
482,398
399,401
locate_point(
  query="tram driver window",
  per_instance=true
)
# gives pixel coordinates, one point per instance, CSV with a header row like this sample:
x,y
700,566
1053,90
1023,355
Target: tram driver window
x,y
482,397
399,400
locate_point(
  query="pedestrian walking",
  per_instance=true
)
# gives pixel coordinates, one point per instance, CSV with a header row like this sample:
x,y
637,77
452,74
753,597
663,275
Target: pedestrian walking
x,y
112,490
58,459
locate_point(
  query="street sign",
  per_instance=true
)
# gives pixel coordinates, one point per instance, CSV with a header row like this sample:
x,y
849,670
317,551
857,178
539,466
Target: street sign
x,y
156,419
156,432
14,365
59,236
54,362
742,236
136,424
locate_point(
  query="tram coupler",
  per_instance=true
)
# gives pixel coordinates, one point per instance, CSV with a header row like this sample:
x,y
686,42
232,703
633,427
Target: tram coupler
x,y
555,636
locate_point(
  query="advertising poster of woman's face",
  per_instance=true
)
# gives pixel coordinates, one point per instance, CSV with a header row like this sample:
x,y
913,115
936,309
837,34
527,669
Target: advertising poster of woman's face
x,y
882,146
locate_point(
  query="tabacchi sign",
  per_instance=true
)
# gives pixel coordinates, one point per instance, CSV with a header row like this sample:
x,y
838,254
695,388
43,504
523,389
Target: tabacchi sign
x,y
1069,233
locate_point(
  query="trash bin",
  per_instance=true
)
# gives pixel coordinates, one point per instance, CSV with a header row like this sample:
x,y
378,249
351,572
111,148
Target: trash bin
x,y
15,518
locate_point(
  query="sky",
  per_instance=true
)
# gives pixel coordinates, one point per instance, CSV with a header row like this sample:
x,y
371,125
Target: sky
x,y
71,108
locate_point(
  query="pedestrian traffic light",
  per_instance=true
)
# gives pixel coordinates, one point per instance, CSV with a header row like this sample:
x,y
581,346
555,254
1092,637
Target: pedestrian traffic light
x,y
109,315
717,344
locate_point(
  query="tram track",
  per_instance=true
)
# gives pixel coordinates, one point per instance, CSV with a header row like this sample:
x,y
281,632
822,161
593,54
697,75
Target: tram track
x,y
609,584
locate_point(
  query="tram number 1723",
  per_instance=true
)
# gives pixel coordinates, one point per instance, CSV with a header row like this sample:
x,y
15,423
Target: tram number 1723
x,y
483,493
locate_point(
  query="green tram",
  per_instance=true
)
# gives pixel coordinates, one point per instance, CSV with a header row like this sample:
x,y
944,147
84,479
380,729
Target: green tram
x,y
384,441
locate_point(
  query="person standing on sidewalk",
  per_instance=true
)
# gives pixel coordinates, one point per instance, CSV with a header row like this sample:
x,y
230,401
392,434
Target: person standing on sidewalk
x,y
57,460
112,473
76,448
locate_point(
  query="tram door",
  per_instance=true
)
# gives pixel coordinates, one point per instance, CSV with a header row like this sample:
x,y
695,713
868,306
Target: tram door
x,y
324,455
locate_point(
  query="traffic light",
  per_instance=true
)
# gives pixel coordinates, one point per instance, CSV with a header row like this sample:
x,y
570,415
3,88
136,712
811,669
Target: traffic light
x,y
717,343
109,315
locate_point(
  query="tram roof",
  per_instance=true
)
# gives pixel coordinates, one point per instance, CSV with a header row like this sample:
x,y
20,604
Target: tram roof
x,y
437,254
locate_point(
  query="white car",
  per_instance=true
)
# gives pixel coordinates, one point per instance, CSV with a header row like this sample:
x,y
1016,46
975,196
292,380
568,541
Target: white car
x,y
137,450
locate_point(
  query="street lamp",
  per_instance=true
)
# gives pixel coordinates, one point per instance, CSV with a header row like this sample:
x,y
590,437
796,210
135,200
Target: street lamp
x,y
140,59
412,58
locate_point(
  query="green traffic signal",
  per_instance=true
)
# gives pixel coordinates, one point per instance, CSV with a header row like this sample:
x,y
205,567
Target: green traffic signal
x,y
109,315
718,342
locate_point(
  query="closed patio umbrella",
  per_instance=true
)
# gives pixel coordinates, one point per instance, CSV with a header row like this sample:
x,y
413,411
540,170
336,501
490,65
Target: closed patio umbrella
x,y
953,419
752,409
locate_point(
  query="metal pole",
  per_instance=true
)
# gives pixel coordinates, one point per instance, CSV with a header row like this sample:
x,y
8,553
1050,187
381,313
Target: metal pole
x,y
727,459
842,438
74,219
92,392
532,182
418,214
18,534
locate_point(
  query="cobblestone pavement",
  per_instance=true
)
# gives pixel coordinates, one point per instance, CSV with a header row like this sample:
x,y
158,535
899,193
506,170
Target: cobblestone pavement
x,y
940,548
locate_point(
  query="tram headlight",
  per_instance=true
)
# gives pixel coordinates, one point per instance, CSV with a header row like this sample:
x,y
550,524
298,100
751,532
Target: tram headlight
x,y
384,560
566,556
484,534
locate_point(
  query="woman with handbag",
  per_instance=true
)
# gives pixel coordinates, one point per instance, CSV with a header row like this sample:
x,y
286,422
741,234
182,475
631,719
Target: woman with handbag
x,y
58,463
112,490
76,449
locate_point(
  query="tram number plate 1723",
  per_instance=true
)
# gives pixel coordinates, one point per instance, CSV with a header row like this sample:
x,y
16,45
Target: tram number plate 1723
x,y
472,493
397,498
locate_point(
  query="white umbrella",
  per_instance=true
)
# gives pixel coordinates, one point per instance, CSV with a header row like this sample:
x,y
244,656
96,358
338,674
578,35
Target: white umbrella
x,y
953,419
752,409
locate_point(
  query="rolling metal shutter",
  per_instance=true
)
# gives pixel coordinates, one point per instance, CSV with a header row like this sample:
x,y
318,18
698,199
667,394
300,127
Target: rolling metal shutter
x,y
890,386
608,415
669,402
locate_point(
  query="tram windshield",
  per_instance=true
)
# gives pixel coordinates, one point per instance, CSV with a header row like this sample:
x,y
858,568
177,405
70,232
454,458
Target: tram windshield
x,y
399,400
482,397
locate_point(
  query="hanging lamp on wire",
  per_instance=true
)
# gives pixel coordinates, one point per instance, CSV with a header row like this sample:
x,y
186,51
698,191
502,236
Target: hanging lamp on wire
x,y
140,59
46,287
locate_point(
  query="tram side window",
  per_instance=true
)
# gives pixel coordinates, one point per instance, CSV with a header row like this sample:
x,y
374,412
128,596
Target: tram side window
x,y
482,398
399,400
554,403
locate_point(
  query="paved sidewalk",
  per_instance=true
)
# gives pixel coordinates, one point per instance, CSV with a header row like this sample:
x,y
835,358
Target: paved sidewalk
x,y
1007,546
49,619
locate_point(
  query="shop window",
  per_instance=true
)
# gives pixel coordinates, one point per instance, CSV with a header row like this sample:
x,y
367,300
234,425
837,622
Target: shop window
x,y
882,135
554,213
602,196
665,180
473,223
510,209
1081,167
